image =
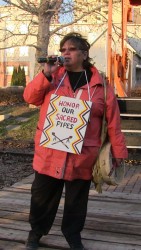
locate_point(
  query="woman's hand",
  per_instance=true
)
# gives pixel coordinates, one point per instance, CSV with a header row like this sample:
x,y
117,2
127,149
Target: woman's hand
x,y
50,68
117,162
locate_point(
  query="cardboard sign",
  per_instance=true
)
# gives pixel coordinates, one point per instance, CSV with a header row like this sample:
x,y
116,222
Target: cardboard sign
x,y
65,124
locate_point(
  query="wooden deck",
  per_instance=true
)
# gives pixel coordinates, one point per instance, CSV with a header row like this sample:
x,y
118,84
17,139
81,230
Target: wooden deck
x,y
113,221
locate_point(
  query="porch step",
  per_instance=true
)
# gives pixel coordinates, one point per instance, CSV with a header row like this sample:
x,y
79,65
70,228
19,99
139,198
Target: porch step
x,y
130,105
130,113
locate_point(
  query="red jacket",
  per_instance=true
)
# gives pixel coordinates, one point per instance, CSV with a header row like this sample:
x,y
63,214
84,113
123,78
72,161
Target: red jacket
x,y
68,166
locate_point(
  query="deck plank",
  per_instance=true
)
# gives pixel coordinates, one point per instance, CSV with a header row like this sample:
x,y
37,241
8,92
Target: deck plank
x,y
113,221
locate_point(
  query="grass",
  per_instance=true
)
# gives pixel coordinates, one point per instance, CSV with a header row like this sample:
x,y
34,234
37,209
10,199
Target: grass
x,y
27,129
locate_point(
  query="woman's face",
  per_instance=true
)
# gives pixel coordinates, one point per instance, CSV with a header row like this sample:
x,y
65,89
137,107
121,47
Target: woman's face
x,y
73,56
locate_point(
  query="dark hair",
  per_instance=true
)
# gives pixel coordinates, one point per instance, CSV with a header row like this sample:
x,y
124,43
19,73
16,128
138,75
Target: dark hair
x,y
81,43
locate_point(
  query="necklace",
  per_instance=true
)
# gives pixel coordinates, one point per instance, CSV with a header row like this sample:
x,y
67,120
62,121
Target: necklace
x,y
78,81
74,78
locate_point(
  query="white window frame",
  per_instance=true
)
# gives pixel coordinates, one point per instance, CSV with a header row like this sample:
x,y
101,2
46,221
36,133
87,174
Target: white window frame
x,y
9,70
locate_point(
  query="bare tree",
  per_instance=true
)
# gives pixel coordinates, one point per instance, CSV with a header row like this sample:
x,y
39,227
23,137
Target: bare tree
x,y
40,15
45,18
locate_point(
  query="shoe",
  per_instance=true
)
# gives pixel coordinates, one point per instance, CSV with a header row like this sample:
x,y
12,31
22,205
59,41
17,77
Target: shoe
x,y
33,240
77,247
32,246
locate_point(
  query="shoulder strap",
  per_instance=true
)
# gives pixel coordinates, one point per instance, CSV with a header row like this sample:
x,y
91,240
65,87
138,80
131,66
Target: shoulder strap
x,y
104,123
79,94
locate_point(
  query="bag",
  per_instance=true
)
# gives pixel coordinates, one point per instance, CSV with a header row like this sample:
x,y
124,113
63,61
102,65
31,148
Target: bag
x,y
104,171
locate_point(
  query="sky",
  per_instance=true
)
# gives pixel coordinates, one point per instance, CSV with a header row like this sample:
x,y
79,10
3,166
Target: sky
x,y
2,3
67,17
64,18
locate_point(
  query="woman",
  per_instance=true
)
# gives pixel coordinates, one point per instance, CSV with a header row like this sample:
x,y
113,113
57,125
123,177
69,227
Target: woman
x,y
56,168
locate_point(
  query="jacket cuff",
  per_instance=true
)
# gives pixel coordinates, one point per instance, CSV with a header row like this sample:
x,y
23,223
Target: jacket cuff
x,y
49,78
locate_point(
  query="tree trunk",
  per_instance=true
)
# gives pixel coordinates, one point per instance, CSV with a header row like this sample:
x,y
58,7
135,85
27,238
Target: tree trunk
x,y
42,40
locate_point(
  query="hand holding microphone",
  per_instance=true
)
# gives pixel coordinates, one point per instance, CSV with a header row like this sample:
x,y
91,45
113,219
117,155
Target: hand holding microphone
x,y
51,64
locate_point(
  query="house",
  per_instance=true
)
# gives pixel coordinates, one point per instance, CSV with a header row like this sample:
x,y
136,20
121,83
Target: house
x,y
94,27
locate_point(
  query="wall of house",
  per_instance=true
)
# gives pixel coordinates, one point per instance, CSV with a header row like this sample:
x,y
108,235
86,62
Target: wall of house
x,y
98,53
137,71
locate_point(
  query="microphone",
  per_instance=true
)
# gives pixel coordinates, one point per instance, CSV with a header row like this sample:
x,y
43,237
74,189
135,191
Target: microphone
x,y
51,60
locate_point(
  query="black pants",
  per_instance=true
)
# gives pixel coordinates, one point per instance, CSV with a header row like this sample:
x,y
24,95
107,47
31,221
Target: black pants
x,y
46,194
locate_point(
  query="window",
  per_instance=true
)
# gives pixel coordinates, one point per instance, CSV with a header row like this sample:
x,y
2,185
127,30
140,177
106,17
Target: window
x,y
23,51
9,70
10,27
26,70
23,29
10,52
